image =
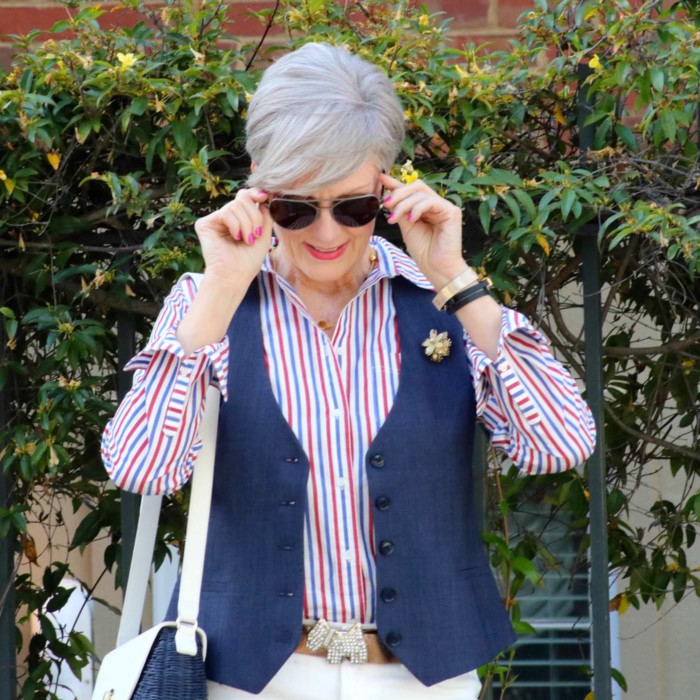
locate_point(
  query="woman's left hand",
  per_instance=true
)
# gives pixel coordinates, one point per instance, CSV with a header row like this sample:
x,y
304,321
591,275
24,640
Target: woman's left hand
x,y
431,227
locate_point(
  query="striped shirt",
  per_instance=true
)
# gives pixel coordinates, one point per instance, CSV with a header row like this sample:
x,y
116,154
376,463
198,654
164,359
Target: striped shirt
x,y
335,393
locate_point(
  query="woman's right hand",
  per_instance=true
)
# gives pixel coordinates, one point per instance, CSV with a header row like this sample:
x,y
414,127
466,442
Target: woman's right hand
x,y
236,238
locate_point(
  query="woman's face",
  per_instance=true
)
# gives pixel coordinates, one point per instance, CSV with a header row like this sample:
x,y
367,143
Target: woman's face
x,y
326,251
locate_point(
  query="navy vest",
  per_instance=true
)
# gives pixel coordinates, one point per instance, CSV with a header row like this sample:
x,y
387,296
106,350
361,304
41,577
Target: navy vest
x,y
438,608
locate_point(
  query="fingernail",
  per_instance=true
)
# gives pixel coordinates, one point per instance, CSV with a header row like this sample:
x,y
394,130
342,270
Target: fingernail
x,y
390,218
251,238
387,200
262,192
258,232
409,216
238,235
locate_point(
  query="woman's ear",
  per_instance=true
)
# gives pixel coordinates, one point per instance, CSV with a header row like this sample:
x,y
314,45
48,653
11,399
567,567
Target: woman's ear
x,y
253,165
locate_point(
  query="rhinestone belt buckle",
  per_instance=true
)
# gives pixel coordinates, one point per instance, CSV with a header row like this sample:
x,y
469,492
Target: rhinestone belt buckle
x,y
348,644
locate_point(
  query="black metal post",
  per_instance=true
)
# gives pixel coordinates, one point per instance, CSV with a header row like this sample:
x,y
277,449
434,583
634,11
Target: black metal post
x,y
130,502
600,590
8,657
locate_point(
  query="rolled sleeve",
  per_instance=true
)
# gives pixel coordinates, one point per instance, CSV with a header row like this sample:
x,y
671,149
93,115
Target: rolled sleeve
x,y
528,401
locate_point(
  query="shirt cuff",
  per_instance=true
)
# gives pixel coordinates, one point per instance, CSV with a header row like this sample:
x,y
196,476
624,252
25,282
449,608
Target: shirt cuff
x,y
191,366
485,370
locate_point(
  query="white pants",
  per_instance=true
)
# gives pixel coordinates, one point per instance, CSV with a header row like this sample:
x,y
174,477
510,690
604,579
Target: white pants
x,y
305,677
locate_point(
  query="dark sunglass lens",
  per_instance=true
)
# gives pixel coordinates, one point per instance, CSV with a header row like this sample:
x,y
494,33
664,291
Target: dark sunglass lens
x,y
356,212
292,215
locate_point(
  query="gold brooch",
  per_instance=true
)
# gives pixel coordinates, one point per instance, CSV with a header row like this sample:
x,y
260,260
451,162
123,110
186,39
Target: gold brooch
x,y
437,346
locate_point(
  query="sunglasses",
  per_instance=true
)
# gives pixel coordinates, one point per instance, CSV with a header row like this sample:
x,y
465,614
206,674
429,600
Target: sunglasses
x,y
296,214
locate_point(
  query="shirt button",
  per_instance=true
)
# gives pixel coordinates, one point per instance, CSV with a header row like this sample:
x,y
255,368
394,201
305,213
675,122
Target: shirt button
x,y
388,595
348,555
337,413
382,502
341,483
377,461
386,547
393,639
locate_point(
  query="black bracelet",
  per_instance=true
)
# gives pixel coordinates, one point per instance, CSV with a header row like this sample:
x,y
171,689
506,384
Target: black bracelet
x,y
475,291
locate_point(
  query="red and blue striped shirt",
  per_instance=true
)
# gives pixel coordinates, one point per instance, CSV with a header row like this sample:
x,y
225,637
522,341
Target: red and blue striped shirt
x,y
335,393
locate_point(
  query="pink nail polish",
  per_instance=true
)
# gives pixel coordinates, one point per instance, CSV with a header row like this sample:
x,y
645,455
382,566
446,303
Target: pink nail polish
x,y
251,238
238,235
390,219
262,192
387,200
409,216
258,232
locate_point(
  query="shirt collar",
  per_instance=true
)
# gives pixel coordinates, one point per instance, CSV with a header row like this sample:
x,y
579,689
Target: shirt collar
x,y
391,262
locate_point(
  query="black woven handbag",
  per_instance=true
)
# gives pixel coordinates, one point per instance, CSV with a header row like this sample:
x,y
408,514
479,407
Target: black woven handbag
x,y
168,675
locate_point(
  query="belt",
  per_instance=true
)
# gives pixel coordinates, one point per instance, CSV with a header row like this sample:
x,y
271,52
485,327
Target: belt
x,y
354,644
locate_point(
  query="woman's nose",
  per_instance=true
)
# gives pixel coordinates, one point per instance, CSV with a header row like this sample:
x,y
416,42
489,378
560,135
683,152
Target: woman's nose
x,y
326,226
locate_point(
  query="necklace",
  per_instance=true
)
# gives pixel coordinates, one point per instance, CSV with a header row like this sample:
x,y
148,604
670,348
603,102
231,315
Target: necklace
x,y
326,325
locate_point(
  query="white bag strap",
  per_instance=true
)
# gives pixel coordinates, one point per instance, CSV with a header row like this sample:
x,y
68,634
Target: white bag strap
x,y
135,596
196,538
197,527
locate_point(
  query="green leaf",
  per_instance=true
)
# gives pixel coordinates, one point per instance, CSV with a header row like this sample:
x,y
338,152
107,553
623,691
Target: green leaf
x,y
668,125
567,200
526,202
523,628
139,106
619,678
485,216
527,568
59,599
657,78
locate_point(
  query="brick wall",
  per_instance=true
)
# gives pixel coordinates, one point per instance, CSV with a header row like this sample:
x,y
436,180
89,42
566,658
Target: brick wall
x,y
480,21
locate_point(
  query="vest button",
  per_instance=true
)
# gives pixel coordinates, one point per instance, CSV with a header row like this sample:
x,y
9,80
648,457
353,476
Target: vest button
x,y
288,503
393,639
382,502
388,595
386,547
377,461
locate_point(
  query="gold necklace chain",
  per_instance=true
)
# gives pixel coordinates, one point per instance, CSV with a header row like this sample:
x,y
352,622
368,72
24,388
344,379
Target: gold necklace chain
x,y
324,325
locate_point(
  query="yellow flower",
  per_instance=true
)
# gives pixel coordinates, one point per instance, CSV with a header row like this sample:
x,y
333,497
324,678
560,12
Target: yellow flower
x,y
126,60
595,63
559,115
544,244
423,20
3,176
462,74
54,159
408,173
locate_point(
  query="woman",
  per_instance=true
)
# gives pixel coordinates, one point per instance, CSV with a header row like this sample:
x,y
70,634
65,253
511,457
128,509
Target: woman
x,y
342,527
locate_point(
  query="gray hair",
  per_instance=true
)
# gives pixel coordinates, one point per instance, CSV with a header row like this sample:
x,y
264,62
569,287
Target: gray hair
x,y
316,116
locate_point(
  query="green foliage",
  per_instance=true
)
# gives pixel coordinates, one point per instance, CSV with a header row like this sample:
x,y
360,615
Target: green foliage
x,y
117,140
